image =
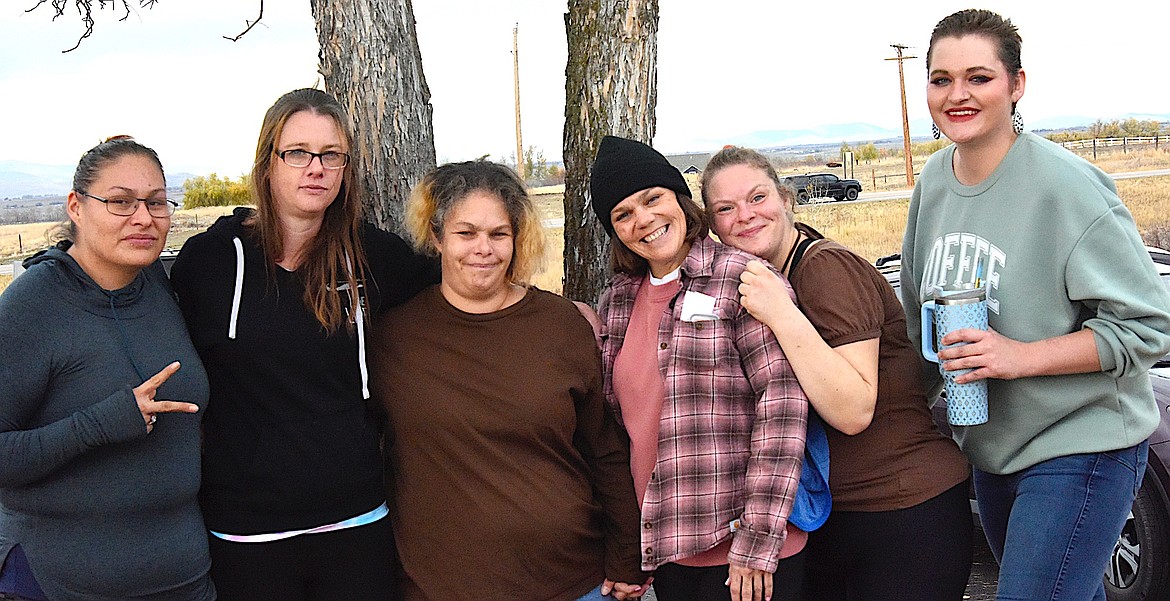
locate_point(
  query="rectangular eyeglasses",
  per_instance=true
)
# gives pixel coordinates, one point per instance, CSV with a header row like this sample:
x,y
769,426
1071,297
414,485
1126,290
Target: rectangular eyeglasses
x,y
125,206
301,158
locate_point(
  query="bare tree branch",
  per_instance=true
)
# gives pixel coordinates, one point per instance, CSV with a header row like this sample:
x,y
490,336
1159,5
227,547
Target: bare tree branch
x,y
39,3
251,24
85,11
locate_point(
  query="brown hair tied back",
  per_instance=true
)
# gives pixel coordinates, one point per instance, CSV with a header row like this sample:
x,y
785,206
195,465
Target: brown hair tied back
x,y
979,22
90,166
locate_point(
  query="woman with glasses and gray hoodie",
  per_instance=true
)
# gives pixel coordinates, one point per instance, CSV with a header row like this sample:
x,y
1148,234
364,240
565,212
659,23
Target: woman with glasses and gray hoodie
x,y
100,402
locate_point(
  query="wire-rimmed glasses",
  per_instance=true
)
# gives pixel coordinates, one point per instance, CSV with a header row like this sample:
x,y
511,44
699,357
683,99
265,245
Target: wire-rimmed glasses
x,y
125,206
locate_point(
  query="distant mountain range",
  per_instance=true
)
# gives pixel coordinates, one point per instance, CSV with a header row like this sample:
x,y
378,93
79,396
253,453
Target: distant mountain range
x,y
866,132
18,178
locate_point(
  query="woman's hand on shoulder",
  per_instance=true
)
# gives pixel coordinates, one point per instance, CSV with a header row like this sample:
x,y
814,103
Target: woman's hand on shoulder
x,y
144,394
764,294
591,316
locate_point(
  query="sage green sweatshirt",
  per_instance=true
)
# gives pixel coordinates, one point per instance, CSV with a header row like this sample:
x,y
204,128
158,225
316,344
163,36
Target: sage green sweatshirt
x,y
1058,252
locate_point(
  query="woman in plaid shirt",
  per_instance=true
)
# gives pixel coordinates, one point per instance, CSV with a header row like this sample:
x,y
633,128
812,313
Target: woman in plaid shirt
x,y
715,414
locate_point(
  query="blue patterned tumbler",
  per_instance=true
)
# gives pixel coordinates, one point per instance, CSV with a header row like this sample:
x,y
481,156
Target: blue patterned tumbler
x,y
950,311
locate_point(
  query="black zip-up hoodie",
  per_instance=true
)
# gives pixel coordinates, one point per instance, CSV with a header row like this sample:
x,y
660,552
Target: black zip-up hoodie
x,y
289,443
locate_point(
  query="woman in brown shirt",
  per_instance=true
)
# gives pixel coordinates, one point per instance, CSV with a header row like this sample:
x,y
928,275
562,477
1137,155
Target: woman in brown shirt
x,y
508,478
901,525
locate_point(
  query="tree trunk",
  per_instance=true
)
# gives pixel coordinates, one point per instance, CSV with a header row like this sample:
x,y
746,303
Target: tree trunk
x,y
610,88
371,63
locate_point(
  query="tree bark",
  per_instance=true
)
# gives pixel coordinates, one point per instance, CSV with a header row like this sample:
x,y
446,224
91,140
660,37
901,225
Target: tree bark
x,y
371,63
611,83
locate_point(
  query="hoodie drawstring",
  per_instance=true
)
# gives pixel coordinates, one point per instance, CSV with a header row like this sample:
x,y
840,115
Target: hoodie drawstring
x,y
239,287
359,323
359,315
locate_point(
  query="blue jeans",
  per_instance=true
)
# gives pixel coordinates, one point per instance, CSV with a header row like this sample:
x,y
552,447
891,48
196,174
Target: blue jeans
x,y
595,595
1052,526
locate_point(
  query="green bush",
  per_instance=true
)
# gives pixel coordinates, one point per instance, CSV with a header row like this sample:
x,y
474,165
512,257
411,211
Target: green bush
x,y
215,191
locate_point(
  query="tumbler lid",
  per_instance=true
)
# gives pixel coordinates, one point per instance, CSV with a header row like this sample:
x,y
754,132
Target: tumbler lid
x,y
960,297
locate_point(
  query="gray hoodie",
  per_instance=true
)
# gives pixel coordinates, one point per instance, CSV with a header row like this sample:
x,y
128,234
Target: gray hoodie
x,y
102,510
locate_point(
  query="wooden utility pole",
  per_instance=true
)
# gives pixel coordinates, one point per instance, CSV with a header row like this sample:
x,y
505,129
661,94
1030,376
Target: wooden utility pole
x,y
905,115
516,78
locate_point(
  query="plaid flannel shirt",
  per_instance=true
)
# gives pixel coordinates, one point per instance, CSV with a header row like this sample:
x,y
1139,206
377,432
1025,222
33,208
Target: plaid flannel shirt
x,y
731,435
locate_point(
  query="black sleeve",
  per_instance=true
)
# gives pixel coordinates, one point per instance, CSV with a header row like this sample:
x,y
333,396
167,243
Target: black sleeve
x,y
398,271
183,274
198,281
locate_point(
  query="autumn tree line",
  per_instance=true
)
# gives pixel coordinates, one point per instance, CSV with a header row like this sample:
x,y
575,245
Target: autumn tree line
x,y
1129,128
1117,128
212,191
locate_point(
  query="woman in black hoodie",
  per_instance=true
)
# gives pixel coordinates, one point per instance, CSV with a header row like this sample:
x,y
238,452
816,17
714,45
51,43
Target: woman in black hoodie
x,y
278,300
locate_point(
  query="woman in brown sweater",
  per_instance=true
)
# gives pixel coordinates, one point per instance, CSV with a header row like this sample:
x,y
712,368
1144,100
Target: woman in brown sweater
x,y
508,479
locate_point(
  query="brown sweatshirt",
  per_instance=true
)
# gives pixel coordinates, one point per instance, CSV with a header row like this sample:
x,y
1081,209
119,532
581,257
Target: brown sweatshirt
x,y
507,478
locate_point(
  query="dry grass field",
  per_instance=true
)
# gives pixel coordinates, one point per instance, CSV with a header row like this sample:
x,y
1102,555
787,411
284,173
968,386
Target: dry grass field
x,y
875,229
872,229
889,173
19,241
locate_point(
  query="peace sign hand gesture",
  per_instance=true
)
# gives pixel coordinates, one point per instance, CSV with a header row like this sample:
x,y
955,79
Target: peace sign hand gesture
x,y
149,407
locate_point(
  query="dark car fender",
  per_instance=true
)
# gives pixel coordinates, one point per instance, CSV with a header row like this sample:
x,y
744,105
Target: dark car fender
x,y
1159,458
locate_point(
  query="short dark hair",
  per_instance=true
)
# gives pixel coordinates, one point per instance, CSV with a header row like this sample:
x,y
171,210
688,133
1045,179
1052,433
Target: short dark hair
x,y
979,22
624,260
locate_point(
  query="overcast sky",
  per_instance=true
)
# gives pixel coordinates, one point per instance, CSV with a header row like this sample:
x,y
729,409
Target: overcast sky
x,y
725,67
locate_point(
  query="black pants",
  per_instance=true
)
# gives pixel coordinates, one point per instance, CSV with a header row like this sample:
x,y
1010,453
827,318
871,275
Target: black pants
x,y
355,564
673,582
921,553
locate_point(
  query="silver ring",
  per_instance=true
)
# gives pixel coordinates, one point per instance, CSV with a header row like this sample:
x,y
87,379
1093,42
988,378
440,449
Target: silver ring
x,y
153,418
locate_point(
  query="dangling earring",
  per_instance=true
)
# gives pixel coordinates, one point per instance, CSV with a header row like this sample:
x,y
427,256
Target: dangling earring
x,y
934,131
1017,122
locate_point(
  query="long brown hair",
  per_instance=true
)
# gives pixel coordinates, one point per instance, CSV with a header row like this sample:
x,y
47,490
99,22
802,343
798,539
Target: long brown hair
x,y
335,253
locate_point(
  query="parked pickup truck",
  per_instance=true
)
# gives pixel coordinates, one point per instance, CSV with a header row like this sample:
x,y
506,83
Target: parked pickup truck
x,y
823,185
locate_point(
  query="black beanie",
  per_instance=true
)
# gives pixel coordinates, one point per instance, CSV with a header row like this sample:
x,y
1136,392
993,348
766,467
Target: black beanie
x,y
623,167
